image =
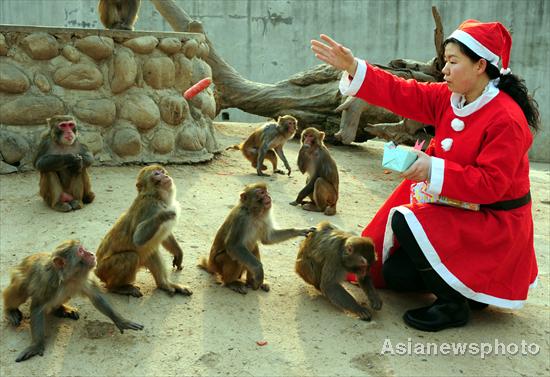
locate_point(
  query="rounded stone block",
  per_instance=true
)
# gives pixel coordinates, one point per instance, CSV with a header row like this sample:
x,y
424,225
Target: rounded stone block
x,y
78,76
163,141
203,50
174,109
142,45
42,83
30,109
124,71
96,47
189,139
101,112
140,110
3,45
93,140
160,72
70,53
170,45
40,46
201,69
13,147
184,72
12,79
190,48
126,142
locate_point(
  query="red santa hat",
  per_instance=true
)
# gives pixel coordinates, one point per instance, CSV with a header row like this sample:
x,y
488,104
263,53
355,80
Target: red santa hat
x,y
490,40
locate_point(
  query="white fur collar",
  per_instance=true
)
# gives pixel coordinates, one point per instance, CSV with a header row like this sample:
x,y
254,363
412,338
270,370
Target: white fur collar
x,y
461,110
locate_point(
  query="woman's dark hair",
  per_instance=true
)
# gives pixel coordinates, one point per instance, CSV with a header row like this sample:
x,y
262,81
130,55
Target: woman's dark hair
x,y
511,84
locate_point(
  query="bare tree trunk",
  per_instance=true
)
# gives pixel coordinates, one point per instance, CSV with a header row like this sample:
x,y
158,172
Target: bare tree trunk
x,y
312,96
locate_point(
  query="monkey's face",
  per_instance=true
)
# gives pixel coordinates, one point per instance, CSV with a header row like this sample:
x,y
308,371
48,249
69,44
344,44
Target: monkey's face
x,y
65,132
358,255
263,197
291,125
85,257
312,137
152,178
160,178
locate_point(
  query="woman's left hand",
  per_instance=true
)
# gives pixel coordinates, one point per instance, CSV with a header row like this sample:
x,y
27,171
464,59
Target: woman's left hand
x,y
420,169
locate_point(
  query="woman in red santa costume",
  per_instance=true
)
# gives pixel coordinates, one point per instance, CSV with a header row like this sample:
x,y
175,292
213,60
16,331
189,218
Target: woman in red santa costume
x,y
478,155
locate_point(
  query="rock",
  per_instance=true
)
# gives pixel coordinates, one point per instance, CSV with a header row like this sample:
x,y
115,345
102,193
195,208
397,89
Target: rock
x,y
203,50
78,76
170,45
184,72
70,53
163,141
3,45
42,82
188,139
126,142
140,110
200,70
40,46
13,147
30,109
142,45
13,79
173,109
95,46
123,71
190,48
6,168
101,112
92,140
159,73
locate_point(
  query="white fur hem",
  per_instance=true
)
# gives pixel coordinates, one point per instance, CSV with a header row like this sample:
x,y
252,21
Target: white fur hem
x,y
435,262
436,176
350,88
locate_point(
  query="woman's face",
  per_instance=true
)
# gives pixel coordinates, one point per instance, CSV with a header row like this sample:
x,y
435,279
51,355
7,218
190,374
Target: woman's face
x,y
461,74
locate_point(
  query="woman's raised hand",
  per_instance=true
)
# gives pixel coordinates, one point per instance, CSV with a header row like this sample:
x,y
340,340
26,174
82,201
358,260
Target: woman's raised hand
x,y
335,54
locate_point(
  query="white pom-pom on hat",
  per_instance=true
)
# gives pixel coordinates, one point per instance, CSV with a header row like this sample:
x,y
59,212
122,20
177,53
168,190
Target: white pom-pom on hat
x,y
457,124
505,72
446,144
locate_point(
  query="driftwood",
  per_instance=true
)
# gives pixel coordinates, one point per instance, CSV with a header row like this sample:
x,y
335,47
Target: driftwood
x,y
312,96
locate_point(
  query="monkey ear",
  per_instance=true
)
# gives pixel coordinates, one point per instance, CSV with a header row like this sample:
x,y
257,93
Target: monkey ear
x,y
322,135
243,196
59,262
348,249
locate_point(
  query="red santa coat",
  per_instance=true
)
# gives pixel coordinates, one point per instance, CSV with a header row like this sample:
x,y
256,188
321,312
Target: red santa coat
x,y
486,255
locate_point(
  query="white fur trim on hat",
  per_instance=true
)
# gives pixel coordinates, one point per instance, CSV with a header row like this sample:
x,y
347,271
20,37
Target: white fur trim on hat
x,y
505,72
446,144
457,124
475,46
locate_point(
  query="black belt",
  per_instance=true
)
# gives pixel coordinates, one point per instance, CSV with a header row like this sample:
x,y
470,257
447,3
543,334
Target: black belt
x,y
509,204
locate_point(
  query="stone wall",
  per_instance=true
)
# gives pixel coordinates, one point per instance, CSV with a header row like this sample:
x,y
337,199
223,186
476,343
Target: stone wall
x,y
124,88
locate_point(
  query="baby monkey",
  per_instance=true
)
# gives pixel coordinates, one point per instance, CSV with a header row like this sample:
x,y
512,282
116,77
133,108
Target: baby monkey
x,y
267,142
327,255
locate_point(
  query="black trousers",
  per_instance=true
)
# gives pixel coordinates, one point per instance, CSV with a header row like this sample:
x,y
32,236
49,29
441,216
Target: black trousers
x,y
407,269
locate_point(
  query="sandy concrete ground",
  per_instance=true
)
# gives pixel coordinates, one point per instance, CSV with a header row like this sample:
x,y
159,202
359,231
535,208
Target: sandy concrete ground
x,y
214,332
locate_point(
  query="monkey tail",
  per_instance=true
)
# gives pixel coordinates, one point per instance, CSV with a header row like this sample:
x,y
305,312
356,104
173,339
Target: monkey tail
x,y
203,263
236,147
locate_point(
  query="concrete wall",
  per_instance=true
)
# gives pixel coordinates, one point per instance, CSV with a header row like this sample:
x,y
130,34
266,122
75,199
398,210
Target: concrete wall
x,y
268,40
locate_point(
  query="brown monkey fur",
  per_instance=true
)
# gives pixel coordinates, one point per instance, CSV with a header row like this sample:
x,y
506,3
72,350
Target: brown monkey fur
x,y
327,255
134,240
235,248
118,14
322,182
63,164
267,141
50,279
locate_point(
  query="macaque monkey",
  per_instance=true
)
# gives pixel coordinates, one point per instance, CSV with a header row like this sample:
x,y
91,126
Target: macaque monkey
x,y
135,239
267,140
63,164
322,183
50,279
118,14
327,255
235,248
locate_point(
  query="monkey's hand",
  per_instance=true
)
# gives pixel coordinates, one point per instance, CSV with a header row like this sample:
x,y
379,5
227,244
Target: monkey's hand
x,y
289,171
167,215
364,314
375,302
257,277
307,231
76,164
177,261
30,351
125,324
294,203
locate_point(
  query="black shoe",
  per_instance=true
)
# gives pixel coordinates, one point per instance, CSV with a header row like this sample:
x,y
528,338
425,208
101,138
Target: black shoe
x,y
476,305
438,316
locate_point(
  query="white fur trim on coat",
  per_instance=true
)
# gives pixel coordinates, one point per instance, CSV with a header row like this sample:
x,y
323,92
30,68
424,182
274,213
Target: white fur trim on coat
x,y
350,88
